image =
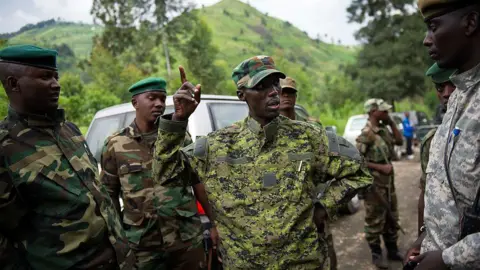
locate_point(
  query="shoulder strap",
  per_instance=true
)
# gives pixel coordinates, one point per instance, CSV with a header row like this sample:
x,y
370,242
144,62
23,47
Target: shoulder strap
x,y
341,146
333,142
74,128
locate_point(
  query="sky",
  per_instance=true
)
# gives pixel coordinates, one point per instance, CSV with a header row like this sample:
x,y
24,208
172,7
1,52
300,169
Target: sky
x,y
313,16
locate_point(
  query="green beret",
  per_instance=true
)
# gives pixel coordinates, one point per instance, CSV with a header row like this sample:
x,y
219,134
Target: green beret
x,y
30,55
440,75
435,8
148,85
253,70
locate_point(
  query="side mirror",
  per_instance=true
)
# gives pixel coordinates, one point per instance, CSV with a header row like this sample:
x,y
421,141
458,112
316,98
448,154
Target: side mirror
x,y
331,128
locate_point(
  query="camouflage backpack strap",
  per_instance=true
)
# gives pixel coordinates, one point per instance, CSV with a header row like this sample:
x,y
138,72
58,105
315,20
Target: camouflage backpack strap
x,y
424,152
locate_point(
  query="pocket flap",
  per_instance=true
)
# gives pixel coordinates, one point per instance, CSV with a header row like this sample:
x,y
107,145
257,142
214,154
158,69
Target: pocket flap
x,y
133,217
185,213
64,179
130,168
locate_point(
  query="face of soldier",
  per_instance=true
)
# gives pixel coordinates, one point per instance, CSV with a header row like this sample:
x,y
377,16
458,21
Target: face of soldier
x,y
263,100
288,99
379,115
149,106
38,90
448,37
444,91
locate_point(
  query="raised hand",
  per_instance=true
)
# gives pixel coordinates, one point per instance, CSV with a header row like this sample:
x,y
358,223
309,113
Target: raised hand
x,y
186,99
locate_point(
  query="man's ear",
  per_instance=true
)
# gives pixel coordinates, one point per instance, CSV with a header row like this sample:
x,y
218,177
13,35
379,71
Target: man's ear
x,y
12,84
241,94
472,23
134,102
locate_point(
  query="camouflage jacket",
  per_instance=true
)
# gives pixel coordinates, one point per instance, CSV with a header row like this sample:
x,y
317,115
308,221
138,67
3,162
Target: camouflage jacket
x,y
376,145
424,153
442,215
261,184
59,215
155,216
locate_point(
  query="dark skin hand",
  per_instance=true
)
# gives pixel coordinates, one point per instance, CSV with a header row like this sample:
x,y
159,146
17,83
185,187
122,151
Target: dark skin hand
x,y
386,169
319,218
186,99
421,207
430,260
414,249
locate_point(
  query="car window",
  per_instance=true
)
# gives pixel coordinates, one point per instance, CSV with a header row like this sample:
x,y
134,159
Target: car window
x,y
225,114
131,115
99,131
358,123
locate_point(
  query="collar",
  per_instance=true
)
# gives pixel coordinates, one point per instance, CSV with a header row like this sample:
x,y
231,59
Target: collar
x,y
466,80
269,131
133,132
372,127
37,120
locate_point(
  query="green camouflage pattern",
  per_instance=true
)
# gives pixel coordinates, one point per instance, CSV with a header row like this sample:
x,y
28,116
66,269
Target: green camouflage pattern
x,y
251,71
59,215
157,218
261,184
376,144
424,154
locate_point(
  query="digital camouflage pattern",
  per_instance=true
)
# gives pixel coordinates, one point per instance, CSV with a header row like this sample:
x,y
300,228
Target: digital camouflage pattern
x,y
158,219
376,145
59,215
442,217
251,71
424,154
261,184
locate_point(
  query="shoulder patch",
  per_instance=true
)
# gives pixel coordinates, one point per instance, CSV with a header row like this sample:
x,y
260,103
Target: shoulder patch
x,y
200,149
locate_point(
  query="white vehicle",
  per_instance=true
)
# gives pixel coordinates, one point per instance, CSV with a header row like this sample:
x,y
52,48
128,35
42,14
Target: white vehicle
x,y
356,123
214,112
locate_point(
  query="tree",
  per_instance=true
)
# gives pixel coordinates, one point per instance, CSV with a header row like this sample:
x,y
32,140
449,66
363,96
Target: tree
x,y
200,55
392,61
139,26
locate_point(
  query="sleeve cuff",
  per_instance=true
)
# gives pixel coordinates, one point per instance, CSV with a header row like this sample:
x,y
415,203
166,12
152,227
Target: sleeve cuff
x,y
167,124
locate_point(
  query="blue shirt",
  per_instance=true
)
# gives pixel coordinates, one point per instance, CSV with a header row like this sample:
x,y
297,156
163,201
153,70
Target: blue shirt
x,y
407,128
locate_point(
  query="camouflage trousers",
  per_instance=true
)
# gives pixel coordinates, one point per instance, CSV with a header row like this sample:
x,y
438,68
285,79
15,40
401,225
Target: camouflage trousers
x,y
376,221
189,258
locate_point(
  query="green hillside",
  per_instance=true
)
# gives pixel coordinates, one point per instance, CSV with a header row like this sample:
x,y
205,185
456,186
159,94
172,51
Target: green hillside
x,y
239,31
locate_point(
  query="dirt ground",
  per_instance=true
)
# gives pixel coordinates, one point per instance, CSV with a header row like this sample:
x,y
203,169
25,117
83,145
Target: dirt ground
x,y
352,249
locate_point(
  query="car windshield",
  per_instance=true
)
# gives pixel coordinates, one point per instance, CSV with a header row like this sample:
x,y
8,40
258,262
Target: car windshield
x,y
225,114
358,123
102,128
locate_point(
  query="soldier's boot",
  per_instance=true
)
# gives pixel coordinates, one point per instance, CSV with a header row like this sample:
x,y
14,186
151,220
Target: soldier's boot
x,y
393,253
377,257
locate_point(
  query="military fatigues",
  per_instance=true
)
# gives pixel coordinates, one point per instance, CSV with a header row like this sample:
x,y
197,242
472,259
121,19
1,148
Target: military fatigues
x,y
424,155
261,183
442,215
161,222
376,145
55,213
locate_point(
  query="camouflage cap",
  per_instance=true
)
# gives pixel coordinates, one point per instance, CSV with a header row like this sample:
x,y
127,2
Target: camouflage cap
x,y
148,85
440,75
251,71
376,103
30,55
288,83
434,8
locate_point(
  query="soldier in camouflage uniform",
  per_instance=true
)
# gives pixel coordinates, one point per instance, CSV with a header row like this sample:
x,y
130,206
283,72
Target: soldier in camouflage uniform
x,y
376,144
288,99
441,78
260,175
161,222
55,212
453,173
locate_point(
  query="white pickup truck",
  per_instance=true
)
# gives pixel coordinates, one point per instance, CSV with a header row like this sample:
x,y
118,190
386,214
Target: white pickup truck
x,y
214,112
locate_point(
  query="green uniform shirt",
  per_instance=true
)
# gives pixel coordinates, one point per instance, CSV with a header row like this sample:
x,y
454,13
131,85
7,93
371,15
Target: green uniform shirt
x,y
261,184
157,217
59,215
376,144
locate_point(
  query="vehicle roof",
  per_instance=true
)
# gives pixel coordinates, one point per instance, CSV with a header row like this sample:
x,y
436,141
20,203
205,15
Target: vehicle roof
x,y
128,107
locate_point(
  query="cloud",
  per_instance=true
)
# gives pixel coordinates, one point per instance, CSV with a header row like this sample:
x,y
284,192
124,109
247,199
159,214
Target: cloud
x,y
26,17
